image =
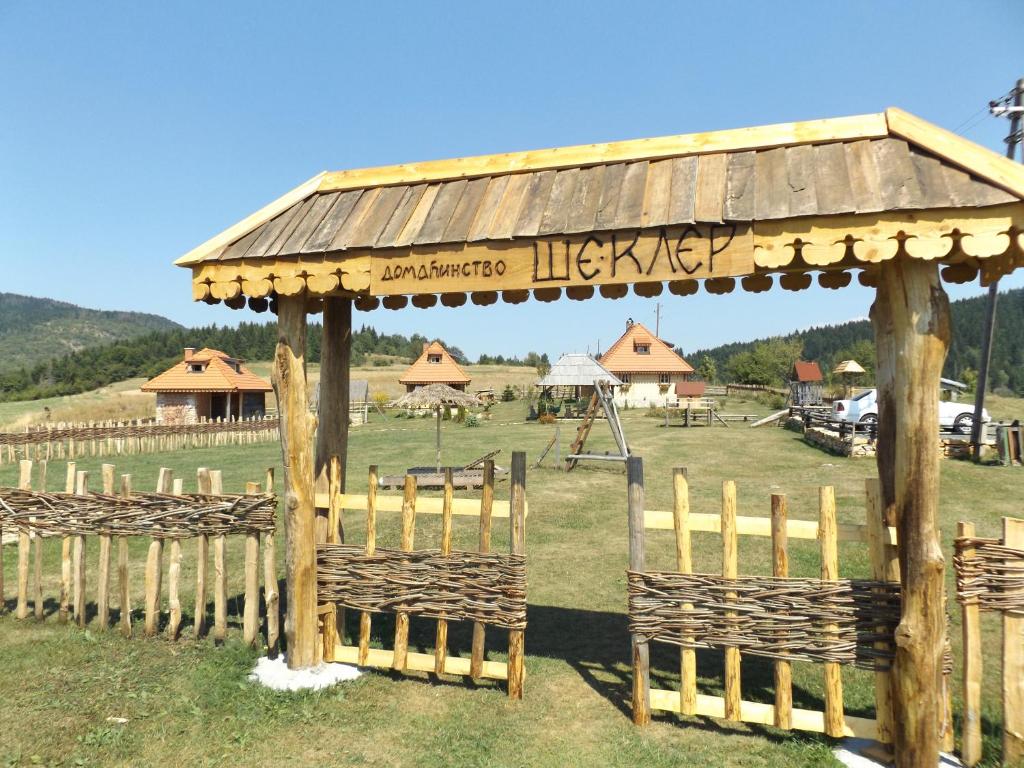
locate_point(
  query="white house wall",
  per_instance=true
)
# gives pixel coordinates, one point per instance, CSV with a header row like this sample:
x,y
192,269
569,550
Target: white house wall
x,y
645,390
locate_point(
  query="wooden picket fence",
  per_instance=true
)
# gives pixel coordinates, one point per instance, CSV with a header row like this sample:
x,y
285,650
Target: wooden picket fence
x,y
444,585
829,621
990,577
166,517
72,440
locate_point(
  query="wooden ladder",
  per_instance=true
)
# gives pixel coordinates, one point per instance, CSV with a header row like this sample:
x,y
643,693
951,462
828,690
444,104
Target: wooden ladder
x,y
604,398
583,431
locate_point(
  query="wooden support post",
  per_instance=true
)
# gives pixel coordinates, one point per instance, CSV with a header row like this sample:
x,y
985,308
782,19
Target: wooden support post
x,y
517,546
970,749
641,654
1013,661
270,592
684,563
371,547
408,539
24,544
125,604
220,572
333,619
174,579
103,572
730,570
78,559
828,536
910,316
296,427
64,611
476,661
780,569
251,617
441,637
884,567
203,487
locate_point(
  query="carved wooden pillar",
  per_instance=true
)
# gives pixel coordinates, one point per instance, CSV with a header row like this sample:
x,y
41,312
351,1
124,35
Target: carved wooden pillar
x,y
296,427
911,321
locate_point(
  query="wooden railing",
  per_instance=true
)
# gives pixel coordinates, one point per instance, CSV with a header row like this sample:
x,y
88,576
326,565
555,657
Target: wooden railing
x,y
444,585
166,517
114,438
854,629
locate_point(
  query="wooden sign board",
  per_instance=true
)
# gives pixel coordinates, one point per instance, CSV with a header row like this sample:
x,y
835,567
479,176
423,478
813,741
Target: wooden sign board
x,y
682,252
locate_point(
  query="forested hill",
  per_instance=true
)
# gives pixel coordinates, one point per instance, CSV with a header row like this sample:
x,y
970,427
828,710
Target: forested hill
x,y
154,352
830,344
33,330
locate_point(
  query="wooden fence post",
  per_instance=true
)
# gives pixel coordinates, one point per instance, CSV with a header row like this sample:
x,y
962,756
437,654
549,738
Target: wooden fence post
x,y
970,749
270,592
65,552
441,636
730,570
641,653
251,617
155,563
78,558
122,568
476,661
517,546
24,544
103,572
408,538
828,535
780,569
332,618
371,547
37,557
684,563
202,559
174,578
1013,661
220,574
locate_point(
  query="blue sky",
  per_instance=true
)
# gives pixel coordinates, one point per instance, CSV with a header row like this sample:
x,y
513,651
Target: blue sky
x,y
131,132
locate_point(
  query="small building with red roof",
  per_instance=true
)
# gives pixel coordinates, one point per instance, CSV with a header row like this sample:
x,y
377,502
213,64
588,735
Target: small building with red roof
x,y
805,383
648,367
434,366
207,384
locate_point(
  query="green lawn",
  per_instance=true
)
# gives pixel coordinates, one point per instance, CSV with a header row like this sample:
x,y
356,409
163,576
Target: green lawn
x,y
189,703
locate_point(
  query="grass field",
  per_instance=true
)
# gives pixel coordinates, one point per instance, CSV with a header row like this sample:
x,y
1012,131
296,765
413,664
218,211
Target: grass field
x,y
189,703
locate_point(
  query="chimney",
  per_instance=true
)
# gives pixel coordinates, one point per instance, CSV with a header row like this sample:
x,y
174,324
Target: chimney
x,y
425,345
189,351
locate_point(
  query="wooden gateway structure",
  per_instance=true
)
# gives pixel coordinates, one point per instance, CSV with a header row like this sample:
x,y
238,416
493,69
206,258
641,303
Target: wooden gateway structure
x,y
888,200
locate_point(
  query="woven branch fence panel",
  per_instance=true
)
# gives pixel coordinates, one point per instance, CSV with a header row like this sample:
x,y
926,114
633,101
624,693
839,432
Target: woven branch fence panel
x,y
990,577
118,438
441,585
167,518
829,621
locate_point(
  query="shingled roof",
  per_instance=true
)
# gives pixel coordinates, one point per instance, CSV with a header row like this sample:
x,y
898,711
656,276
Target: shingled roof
x,y
218,375
447,371
623,357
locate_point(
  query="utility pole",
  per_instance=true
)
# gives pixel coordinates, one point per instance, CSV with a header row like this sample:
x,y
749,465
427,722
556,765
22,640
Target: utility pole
x,y
657,319
997,108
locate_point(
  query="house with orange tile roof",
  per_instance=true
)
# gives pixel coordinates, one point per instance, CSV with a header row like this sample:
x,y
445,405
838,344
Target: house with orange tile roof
x,y
207,384
647,366
434,366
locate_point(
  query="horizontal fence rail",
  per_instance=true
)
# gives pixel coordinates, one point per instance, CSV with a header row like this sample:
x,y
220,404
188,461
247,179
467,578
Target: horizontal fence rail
x,y
165,518
69,441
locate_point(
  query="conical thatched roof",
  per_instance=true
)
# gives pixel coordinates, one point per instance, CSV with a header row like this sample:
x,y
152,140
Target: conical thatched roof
x,y
434,395
849,366
577,370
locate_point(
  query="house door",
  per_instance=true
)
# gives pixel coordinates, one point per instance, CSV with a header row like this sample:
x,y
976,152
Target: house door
x,y
218,404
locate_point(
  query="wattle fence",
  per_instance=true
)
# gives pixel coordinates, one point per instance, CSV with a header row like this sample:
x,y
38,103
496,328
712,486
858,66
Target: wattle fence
x,y
116,438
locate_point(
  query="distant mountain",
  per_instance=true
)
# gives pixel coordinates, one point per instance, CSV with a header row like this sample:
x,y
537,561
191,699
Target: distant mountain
x,y
831,344
33,330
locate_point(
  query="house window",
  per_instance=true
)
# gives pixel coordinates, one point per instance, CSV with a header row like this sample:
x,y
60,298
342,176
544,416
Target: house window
x,y
195,367
643,349
663,378
624,378
434,359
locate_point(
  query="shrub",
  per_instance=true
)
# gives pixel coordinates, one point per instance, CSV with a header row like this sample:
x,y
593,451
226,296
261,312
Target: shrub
x,y
508,394
460,415
547,418
471,420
